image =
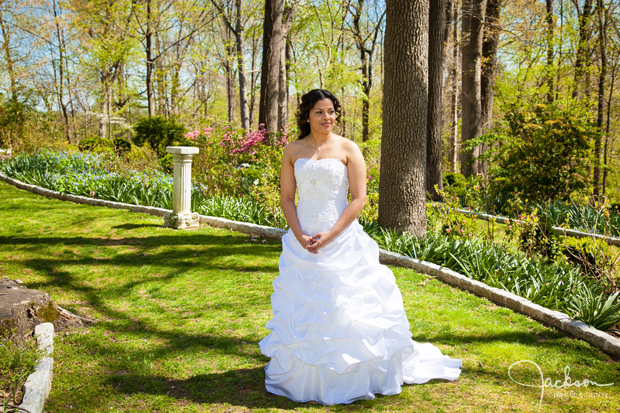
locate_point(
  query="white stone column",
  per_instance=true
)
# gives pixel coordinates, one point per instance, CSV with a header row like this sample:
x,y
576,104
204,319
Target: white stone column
x,y
181,216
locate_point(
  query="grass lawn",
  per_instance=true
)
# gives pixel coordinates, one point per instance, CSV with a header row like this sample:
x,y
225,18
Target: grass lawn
x,y
181,314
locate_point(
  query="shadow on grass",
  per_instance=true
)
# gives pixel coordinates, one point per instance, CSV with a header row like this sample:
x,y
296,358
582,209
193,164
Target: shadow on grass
x,y
241,387
137,226
200,239
184,254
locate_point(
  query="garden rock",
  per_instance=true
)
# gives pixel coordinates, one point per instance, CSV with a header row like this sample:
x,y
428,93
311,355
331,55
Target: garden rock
x,y
22,309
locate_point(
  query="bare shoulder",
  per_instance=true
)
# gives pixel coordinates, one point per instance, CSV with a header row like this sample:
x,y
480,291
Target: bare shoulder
x,y
292,151
350,149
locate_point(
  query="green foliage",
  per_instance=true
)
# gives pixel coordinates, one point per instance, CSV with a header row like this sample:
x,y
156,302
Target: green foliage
x,y
370,213
443,216
597,217
86,175
454,180
599,310
474,192
95,144
13,117
18,360
121,146
543,153
535,235
549,284
239,209
597,259
243,164
159,132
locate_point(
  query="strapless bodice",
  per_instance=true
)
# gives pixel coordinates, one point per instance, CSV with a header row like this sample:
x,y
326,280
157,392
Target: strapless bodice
x,y
322,188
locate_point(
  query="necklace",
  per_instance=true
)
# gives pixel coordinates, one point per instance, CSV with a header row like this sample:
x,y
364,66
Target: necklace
x,y
318,148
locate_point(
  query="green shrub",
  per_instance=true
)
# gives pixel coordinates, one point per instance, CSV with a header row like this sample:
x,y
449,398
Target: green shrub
x,y
14,116
454,179
159,132
166,163
597,259
121,146
544,152
95,144
601,311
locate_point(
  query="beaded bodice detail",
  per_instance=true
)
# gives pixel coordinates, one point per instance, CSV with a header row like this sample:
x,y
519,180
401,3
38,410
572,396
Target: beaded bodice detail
x,y
322,187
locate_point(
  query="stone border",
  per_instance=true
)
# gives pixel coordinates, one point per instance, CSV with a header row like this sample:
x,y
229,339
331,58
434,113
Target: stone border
x,y
556,319
39,383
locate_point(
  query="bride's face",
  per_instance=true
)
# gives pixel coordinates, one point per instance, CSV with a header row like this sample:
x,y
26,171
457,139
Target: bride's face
x,y
322,116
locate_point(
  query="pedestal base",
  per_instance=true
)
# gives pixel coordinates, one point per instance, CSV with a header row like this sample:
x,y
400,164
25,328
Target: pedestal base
x,y
181,221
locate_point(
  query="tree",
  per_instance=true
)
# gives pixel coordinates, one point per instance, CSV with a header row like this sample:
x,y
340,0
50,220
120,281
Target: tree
x,y
285,57
489,69
439,30
402,199
14,110
582,57
471,91
238,29
166,30
275,30
273,39
106,47
365,32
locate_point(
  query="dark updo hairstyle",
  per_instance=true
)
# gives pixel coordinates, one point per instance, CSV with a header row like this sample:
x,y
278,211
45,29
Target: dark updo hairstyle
x,y
307,103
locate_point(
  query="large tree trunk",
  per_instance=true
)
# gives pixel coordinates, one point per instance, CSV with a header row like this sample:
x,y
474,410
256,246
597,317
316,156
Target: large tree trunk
x,y
270,71
489,70
436,58
471,90
402,199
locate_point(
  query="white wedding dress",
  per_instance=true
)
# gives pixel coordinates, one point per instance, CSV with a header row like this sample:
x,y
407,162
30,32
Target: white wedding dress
x,y
339,332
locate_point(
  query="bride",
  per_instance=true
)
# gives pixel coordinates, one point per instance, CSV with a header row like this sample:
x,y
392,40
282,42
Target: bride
x,y
339,332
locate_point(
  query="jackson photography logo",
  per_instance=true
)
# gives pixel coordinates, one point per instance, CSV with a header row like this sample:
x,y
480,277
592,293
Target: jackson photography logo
x,y
546,383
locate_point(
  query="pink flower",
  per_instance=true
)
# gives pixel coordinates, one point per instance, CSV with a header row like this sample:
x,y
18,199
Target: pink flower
x,y
192,135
